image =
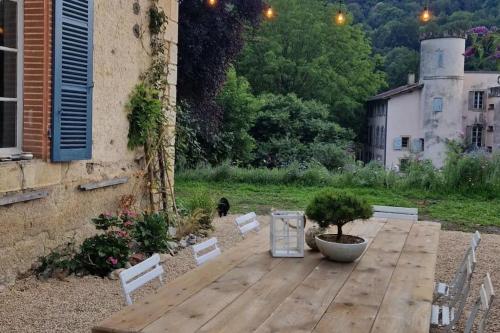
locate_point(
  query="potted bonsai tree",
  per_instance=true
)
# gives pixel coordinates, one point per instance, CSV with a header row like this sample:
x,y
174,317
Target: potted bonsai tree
x,y
329,208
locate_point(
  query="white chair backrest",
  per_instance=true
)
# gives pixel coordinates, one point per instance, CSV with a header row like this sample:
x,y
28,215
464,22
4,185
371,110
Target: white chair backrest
x,y
247,223
400,213
208,254
140,274
463,289
476,239
462,268
484,301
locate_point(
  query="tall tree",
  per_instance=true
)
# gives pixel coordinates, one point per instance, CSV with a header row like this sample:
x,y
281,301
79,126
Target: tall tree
x,y
210,38
305,53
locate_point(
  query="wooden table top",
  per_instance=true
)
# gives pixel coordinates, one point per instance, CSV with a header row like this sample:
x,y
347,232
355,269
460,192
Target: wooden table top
x,y
389,289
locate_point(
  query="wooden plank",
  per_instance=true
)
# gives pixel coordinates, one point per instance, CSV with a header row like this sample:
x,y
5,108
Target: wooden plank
x,y
363,293
257,303
407,304
104,183
23,197
303,308
247,312
135,317
201,307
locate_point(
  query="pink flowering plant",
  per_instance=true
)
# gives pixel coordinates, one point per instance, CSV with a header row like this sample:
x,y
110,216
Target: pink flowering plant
x,y
484,49
106,221
101,254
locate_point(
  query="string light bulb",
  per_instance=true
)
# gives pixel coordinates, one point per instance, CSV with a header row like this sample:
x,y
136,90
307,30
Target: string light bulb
x,y
340,18
426,15
212,3
269,13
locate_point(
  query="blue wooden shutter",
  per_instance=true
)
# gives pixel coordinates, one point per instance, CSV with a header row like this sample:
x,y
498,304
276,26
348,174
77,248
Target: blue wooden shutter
x,y
397,144
72,93
437,104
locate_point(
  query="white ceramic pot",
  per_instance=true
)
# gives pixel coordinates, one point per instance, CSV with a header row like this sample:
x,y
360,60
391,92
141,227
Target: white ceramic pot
x,y
341,252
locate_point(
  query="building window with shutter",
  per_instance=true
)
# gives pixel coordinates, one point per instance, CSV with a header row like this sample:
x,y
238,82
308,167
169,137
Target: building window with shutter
x,y
405,142
377,133
476,100
73,82
437,104
382,137
477,136
11,78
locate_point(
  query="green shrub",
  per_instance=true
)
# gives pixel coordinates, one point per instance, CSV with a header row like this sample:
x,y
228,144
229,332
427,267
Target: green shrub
x,y
329,208
105,221
101,254
61,258
469,173
202,203
151,233
422,175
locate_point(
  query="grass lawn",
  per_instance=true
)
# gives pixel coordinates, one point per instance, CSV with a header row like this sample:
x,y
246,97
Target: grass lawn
x,y
456,212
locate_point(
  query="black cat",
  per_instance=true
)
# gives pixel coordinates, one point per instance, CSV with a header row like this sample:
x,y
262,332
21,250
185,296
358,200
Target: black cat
x,y
223,207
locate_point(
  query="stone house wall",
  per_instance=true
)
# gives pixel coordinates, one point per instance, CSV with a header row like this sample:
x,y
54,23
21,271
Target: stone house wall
x,y
31,229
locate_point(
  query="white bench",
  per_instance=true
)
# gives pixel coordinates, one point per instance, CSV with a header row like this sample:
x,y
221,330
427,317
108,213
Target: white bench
x,y
247,223
138,275
207,255
400,213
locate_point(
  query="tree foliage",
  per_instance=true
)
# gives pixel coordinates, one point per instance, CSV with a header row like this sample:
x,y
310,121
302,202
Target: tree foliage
x,y
330,208
305,53
288,129
209,41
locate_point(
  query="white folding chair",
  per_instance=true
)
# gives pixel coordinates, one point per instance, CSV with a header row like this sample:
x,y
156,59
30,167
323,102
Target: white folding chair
x,y
447,315
484,301
445,291
247,223
206,251
140,274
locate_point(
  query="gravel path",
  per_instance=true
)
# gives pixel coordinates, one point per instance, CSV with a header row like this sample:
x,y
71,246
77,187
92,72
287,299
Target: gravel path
x,y
76,305
452,246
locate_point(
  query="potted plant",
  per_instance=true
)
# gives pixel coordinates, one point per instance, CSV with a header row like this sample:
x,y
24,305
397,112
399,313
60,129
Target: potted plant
x,y
329,208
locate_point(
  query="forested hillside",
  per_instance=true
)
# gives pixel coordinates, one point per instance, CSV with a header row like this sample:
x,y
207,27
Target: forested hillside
x,y
394,28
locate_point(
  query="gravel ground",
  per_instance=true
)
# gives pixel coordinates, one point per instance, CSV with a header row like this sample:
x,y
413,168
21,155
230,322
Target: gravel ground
x,y
76,305
452,247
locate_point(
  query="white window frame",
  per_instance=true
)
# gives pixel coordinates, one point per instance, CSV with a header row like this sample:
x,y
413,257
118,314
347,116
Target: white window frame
x,y
5,152
477,136
478,96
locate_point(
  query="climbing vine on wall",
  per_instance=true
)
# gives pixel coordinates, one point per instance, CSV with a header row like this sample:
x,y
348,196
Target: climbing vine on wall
x,y
148,106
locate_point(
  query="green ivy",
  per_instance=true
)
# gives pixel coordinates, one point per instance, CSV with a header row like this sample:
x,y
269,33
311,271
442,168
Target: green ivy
x,y
157,19
145,117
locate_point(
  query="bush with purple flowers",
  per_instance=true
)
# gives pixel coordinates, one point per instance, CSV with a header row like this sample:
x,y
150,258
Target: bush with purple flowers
x,y
484,49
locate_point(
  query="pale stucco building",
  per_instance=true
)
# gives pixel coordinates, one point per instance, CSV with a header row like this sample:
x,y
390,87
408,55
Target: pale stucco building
x,y
67,70
447,103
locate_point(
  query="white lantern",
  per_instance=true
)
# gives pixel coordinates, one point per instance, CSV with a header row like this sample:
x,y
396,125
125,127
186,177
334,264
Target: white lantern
x,y
287,234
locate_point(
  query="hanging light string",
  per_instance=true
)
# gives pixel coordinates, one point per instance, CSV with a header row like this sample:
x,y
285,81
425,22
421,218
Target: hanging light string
x,y
340,17
426,14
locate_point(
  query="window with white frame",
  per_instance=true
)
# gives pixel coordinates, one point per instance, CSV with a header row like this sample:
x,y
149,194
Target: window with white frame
x,y
477,136
11,62
476,100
